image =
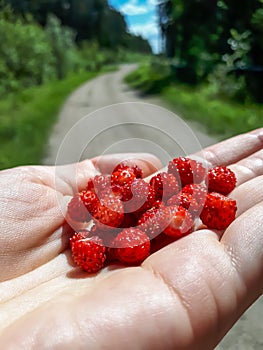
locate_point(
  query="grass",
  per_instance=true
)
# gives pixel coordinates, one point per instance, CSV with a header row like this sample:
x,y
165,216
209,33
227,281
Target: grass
x,y
220,117
26,119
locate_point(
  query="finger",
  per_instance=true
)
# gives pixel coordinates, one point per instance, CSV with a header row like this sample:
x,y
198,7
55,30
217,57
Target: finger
x,y
73,178
248,194
202,274
234,149
147,162
249,167
243,241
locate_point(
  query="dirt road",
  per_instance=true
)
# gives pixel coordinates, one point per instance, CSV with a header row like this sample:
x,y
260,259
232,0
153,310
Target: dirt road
x,y
105,116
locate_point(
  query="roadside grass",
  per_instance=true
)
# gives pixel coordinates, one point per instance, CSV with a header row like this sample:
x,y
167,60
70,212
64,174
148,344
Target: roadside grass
x,y
221,117
26,119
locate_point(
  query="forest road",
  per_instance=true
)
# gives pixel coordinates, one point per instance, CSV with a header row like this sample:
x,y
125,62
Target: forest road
x,y
105,116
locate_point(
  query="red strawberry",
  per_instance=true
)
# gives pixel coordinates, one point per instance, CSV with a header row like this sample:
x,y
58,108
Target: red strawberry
x,y
122,176
132,246
198,192
82,205
157,204
221,179
88,252
124,165
139,196
186,170
219,211
165,185
187,201
154,221
78,236
180,222
101,184
109,212
106,233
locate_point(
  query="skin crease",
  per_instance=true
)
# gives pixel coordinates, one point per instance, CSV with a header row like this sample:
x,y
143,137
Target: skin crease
x,y
185,296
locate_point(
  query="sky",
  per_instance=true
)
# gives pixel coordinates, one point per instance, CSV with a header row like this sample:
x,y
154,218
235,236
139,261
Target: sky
x,y
141,19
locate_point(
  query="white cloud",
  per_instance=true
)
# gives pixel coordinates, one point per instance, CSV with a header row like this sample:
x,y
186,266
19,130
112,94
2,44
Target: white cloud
x,y
146,29
132,8
149,31
153,2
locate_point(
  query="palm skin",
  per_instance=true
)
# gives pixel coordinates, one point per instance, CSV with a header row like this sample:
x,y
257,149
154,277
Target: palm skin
x,y
185,296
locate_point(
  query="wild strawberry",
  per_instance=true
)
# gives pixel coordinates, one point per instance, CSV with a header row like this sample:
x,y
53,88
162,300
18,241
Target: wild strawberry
x,y
106,233
99,183
154,221
124,165
109,212
157,204
137,171
138,196
187,201
198,192
132,246
88,252
81,206
221,179
122,176
165,185
78,236
186,170
219,211
180,222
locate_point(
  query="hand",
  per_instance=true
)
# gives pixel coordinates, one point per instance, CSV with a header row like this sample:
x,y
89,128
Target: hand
x,y
185,296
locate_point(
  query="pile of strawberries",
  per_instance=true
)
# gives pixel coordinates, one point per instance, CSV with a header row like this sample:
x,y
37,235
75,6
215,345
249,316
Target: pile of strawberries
x,y
132,218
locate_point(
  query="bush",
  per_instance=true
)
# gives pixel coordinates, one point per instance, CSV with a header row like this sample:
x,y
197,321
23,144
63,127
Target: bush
x,y
62,42
25,55
151,76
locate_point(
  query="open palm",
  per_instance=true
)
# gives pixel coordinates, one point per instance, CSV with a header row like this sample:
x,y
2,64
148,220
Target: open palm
x,y
185,296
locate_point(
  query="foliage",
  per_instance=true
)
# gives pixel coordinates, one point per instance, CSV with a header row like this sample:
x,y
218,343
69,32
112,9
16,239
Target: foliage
x,y
26,119
62,42
240,44
25,54
206,35
32,55
151,76
220,116
92,20
225,79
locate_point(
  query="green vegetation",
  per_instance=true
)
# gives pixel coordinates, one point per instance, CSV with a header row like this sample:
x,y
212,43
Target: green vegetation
x,y
218,40
43,58
212,71
219,115
90,20
26,119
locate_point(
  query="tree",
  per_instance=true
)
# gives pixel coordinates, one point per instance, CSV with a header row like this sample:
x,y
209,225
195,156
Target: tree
x,y
91,19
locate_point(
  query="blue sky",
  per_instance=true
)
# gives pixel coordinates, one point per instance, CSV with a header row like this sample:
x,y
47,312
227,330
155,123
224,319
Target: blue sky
x,y
141,18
